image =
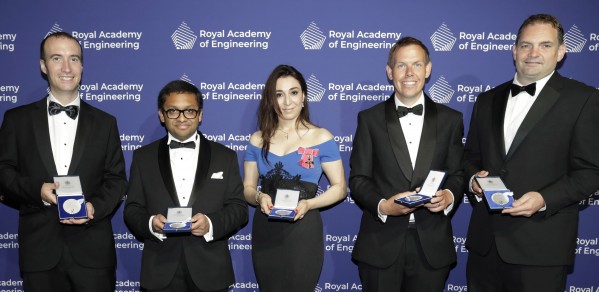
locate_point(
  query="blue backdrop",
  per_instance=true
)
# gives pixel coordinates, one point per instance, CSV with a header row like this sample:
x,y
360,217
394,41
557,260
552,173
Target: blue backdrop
x,y
228,48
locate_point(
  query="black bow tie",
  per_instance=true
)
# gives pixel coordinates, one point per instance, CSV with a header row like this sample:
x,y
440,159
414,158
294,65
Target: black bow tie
x,y
402,110
55,108
530,88
174,145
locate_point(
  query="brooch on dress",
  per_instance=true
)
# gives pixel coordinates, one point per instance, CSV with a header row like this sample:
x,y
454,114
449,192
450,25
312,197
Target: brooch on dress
x,y
307,160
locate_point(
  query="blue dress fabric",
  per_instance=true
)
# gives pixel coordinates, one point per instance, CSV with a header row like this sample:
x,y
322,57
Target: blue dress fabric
x,y
288,256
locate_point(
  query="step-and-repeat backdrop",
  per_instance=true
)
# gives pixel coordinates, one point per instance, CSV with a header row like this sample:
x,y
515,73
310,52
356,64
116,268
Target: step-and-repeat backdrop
x,y
228,48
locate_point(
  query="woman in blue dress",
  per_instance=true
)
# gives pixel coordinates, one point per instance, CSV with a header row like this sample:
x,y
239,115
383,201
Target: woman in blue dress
x,y
289,152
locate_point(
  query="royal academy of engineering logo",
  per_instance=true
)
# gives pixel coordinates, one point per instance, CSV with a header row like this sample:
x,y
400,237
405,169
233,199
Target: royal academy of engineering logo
x,y
7,41
55,28
185,78
9,93
443,39
183,37
316,91
312,38
574,40
319,191
441,91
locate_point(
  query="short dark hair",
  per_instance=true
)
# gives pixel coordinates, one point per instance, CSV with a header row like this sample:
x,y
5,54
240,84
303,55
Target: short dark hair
x,y
543,19
60,34
179,86
404,42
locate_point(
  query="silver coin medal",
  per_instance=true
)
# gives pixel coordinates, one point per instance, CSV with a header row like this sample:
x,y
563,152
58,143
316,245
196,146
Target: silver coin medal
x,y
500,198
414,197
285,202
177,225
283,212
72,206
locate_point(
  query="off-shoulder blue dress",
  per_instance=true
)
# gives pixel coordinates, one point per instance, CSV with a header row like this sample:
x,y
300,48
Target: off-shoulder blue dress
x,y
288,256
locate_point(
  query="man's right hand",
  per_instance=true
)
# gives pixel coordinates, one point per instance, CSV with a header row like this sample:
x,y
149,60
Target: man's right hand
x,y
158,223
390,208
47,192
476,189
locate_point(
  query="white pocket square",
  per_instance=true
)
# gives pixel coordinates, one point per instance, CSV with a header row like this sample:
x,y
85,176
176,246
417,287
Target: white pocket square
x,y
217,175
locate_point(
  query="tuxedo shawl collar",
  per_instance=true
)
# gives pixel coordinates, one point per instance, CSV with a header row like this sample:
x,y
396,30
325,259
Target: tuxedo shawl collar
x,y
201,172
426,147
428,142
202,169
84,130
41,135
499,105
544,102
546,99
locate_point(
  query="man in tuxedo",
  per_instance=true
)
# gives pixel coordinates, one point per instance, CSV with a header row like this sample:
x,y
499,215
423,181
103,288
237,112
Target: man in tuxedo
x,y
62,135
184,169
538,133
397,143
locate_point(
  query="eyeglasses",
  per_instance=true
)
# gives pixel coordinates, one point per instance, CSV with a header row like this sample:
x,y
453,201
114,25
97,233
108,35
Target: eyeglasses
x,y
176,113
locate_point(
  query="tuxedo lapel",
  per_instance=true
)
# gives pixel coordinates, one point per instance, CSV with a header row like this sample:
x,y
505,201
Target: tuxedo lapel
x,y
546,99
397,139
428,141
41,133
499,104
164,163
202,169
84,129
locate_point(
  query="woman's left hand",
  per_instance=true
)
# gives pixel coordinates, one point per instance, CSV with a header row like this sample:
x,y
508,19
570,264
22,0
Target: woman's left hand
x,y
303,206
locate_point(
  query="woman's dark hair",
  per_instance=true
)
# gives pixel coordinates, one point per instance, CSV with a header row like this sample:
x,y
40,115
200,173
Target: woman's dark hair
x,y
269,111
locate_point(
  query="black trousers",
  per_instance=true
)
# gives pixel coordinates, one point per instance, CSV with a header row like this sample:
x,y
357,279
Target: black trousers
x,y
69,276
410,272
489,273
182,280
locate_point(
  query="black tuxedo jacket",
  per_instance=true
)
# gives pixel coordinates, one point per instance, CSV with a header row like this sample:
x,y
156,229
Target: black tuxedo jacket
x,y
381,167
26,162
555,152
152,191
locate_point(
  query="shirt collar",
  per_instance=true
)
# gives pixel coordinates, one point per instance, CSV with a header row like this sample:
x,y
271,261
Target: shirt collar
x,y
194,138
75,102
540,83
420,101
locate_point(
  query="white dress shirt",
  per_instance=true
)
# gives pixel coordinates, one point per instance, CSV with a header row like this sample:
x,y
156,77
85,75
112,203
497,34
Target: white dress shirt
x,y
516,109
411,125
184,162
62,135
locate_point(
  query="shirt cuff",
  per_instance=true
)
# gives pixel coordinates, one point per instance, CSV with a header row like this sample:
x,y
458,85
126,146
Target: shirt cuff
x,y
209,236
450,206
378,210
160,236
